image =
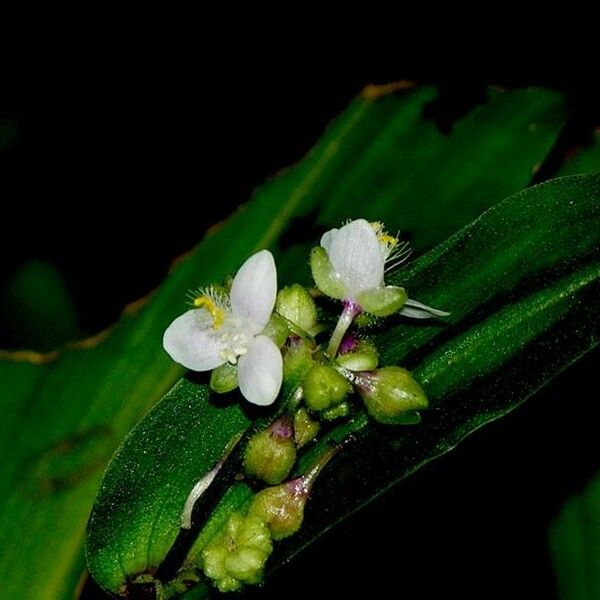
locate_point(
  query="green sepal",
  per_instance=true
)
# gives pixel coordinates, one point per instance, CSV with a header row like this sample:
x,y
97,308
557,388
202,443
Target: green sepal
x,y
326,279
384,301
336,412
409,418
223,379
277,329
364,358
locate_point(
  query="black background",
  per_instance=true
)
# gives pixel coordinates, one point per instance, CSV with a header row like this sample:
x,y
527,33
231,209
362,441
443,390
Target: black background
x,y
150,154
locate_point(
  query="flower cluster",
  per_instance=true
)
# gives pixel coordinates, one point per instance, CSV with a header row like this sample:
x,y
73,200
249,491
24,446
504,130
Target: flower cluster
x,y
277,346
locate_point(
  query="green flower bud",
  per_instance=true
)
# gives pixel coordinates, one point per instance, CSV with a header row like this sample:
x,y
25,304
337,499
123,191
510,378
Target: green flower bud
x,y
271,453
296,304
238,554
324,387
336,412
282,507
297,360
384,301
305,428
223,379
326,279
277,329
357,357
391,395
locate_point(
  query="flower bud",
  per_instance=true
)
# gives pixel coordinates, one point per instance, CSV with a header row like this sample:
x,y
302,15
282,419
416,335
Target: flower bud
x,y
277,329
282,507
357,357
296,304
223,379
238,554
391,394
271,453
297,360
324,387
305,429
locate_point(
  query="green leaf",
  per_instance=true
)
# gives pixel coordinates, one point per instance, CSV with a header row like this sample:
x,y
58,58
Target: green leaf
x,y
575,545
37,308
584,160
410,169
142,524
574,535
66,412
521,283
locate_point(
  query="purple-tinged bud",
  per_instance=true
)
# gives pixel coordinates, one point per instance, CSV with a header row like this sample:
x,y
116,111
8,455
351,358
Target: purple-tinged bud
x,y
282,507
390,394
271,453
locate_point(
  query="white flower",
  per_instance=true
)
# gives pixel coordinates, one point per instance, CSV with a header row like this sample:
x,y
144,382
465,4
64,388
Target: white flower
x,y
358,253
351,264
225,329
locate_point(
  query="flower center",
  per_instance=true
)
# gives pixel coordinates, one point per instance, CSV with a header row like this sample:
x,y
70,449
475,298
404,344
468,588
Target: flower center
x,y
235,337
216,312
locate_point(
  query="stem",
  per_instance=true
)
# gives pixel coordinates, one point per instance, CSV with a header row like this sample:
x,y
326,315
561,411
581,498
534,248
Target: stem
x,y
351,310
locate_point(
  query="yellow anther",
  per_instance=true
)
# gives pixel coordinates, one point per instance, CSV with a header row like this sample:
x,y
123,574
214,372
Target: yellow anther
x,y
387,239
215,312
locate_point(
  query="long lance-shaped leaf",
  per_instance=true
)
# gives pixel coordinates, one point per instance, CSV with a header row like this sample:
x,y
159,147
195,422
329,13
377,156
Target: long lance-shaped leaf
x,y
521,283
65,413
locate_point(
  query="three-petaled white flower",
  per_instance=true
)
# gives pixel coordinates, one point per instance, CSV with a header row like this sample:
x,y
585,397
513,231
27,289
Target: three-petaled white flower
x,y
351,264
223,329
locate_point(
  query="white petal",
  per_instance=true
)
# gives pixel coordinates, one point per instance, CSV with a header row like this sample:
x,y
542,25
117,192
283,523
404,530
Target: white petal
x,y
254,289
417,310
327,239
355,253
260,371
189,342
